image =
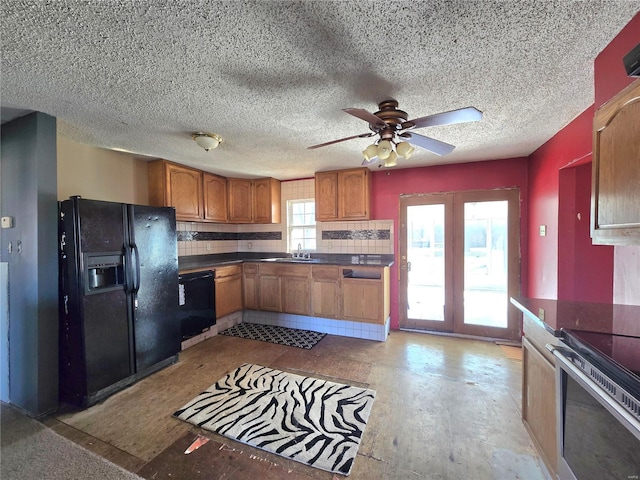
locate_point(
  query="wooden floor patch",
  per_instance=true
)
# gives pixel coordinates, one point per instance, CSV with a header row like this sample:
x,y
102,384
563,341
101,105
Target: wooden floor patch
x,y
214,459
514,353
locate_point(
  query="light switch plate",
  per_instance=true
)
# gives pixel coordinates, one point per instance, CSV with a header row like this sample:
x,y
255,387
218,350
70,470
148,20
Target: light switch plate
x,y
7,222
543,230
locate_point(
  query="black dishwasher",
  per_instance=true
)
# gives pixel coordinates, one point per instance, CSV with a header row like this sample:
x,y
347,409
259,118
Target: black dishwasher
x,y
197,310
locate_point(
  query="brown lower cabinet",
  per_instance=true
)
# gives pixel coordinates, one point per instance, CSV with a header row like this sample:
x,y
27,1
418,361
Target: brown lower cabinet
x,y
539,393
250,285
228,282
365,294
358,293
270,292
295,295
325,285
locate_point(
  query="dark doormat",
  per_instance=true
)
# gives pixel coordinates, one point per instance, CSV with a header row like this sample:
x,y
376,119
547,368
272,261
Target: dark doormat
x,y
291,337
232,461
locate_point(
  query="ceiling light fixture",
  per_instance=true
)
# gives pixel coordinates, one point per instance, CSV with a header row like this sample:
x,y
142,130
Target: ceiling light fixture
x,y
387,151
208,141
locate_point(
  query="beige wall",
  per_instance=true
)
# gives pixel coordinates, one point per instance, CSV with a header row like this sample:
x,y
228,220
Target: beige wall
x,y
100,174
626,275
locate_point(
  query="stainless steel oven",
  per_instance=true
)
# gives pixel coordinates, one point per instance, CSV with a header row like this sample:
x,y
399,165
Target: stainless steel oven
x,y
598,410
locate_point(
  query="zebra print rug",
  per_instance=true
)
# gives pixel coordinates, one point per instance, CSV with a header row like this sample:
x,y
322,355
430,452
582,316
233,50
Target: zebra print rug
x,y
308,420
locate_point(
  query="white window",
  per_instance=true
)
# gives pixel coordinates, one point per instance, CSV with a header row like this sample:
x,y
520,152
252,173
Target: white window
x,y
301,221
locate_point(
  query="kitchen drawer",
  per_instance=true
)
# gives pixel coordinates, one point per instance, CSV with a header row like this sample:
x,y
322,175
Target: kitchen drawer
x,y
228,271
538,337
325,272
250,268
284,270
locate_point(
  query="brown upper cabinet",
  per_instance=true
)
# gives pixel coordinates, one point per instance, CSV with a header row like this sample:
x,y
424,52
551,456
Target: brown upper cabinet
x,y
205,197
326,196
343,195
615,189
254,201
240,200
266,200
172,185
214,189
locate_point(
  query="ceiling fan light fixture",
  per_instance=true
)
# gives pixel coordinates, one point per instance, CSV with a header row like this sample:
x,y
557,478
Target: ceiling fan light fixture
x,y
391,160
370,152
405,149
385,147
208,141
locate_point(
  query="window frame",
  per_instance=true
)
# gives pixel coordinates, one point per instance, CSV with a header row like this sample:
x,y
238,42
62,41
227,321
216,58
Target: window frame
x,y
291,227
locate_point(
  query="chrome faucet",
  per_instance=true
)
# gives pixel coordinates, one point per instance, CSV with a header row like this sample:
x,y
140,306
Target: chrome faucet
x,y
300,254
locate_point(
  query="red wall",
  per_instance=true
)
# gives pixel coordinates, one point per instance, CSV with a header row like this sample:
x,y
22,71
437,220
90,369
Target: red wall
x,y
388,185
610,75
587,273
546,198
581,271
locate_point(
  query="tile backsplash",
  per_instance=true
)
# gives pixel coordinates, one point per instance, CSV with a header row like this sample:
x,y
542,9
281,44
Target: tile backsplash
x,y
366,237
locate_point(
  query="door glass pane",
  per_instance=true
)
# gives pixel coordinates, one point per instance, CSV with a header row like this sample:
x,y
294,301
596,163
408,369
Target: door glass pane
x,y
485,263
425,254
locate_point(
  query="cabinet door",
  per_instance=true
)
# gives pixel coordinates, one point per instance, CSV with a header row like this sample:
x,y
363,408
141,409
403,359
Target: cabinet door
x,y
270,293
240,200
173,185
266,200
326,196
250,285
539,403
215,197
615,210
325,291
324,300
295,295
185,191
353,194
362,300
228,295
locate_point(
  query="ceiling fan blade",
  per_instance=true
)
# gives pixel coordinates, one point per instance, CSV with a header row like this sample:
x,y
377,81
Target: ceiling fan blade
x,y
468,114
362,135
431,144
368,117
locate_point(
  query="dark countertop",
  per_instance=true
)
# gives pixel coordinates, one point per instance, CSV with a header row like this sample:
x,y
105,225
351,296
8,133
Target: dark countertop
x,y
558,315
212,261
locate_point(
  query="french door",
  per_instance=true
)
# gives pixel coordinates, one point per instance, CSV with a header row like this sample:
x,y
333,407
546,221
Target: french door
x,y
460,262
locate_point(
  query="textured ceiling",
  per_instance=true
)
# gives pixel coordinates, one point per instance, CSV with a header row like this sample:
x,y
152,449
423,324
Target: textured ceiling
x,y
271,77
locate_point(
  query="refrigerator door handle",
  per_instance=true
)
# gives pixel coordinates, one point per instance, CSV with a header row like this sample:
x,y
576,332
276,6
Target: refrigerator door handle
x,y
136,282
128,281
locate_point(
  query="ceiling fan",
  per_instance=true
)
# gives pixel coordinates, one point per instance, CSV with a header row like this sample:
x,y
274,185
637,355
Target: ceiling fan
x,y
395,137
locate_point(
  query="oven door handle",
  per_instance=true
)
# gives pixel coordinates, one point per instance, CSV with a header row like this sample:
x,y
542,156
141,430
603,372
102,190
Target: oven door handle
x,y
561,355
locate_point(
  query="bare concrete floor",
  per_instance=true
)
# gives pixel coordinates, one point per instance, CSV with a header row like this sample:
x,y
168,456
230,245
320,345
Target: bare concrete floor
x,y
445,408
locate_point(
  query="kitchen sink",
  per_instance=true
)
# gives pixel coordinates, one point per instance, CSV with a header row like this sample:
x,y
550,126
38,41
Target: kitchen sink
x,y
292,260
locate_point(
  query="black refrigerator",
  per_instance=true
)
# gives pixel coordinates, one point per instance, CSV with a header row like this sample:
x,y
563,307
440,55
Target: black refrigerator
x,y
118,296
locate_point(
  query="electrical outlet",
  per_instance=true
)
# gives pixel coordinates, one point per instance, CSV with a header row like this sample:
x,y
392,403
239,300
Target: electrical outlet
x,y
7,222
541,314
543,230
208,247
249,245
